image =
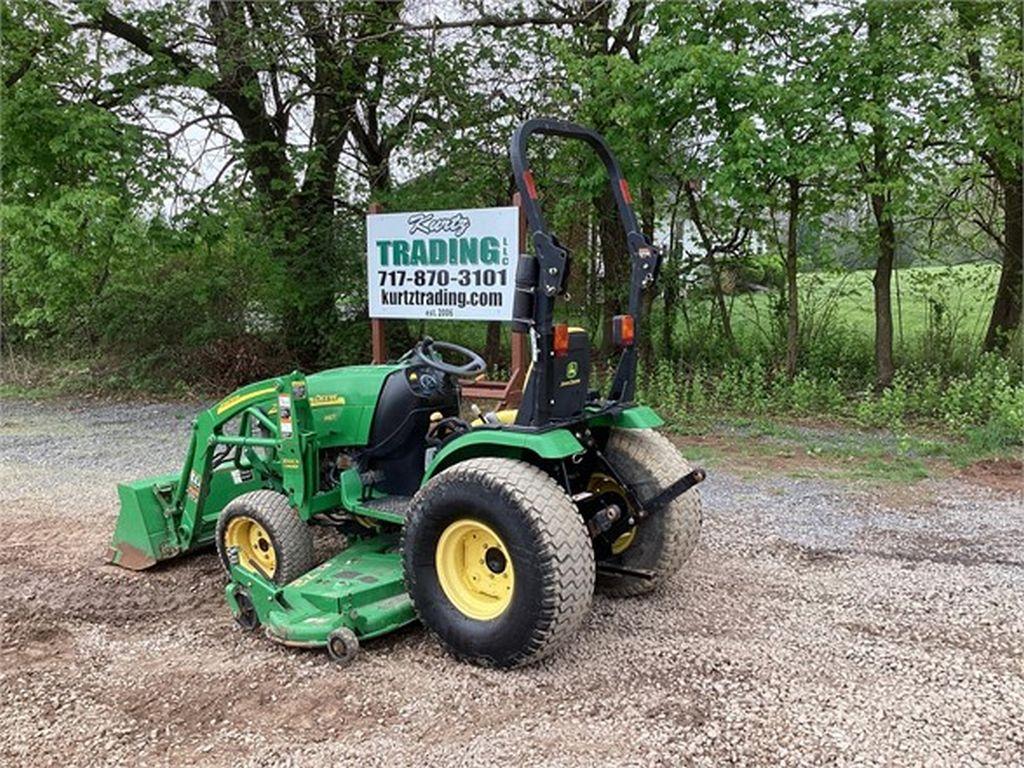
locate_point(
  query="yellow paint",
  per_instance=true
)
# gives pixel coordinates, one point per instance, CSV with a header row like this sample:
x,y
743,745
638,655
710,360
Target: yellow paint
x,y
320,401
622,543
507,416
255,549
600,484
476,589
236,400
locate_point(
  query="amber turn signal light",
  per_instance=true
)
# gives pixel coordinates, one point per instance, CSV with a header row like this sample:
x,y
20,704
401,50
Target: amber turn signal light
x,y
622,330
561,340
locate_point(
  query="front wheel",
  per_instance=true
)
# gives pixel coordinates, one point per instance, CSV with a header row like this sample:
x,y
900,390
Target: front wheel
x,y
497,561
267,536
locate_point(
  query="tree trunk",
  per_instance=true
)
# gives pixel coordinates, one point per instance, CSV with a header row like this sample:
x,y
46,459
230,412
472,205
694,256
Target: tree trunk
x,y
884,366
492,347
309,315
723,309
879,173
1006,309
616,266
713,269
792,307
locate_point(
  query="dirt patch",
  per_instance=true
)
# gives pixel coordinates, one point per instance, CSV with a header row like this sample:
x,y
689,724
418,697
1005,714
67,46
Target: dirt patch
x,y
999,474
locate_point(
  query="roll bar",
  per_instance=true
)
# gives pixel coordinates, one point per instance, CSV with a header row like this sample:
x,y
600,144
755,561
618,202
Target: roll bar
x,y
540,279
524,177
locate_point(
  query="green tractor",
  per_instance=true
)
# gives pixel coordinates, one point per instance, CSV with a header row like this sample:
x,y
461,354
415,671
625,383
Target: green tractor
x,y
493,532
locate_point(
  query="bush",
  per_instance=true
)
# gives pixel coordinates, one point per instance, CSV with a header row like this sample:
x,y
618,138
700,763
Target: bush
x,y
985,406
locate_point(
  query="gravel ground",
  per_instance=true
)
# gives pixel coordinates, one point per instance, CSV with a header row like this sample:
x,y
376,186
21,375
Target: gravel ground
x,y
818,623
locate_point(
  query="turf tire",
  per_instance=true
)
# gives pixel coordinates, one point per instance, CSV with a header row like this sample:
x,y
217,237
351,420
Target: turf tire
x,y
550,549
290,536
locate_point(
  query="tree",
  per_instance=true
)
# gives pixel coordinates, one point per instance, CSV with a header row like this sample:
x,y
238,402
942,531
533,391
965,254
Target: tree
x,y
986,41
244,70
291,85
881,63
74,179
801,142
706,67
601,56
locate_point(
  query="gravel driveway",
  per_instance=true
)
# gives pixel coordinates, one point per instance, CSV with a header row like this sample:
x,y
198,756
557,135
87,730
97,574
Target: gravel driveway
x,y
818,623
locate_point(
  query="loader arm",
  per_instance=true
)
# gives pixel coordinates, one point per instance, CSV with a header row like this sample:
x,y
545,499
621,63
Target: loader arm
x,y
170,514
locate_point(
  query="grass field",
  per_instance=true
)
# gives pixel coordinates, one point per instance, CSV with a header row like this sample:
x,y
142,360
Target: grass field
x,y
951,301
947,299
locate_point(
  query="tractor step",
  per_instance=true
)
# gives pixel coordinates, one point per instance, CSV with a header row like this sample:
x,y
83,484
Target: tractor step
x,y
395,505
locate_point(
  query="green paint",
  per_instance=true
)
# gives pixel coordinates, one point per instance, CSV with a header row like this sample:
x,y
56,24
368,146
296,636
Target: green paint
x,y
362,588
437,252
164,516
637,417
556,444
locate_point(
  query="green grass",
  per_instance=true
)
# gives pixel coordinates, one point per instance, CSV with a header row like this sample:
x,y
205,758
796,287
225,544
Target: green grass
x,y
953,302
966,290
838,449
828,299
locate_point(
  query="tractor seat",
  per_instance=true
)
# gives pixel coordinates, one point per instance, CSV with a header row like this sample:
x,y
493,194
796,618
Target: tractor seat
x,y
572,375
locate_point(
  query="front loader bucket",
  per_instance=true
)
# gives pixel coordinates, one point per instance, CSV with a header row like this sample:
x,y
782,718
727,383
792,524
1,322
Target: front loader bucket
x,y
144,532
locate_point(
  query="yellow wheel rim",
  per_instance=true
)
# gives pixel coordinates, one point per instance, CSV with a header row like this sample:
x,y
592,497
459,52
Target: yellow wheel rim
x,y
623,542
255,548
475,569
601,483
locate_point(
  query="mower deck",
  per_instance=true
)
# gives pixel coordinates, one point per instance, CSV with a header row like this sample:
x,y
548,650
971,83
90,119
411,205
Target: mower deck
x,y
360,589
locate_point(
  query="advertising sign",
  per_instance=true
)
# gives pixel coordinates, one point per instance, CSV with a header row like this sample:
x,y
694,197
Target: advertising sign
x,y
447,265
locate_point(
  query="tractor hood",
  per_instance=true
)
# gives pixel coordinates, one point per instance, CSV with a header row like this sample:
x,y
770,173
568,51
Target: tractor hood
x,y
343,401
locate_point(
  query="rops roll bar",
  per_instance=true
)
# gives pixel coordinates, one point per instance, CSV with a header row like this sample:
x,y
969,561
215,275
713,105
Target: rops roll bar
x,y
539,280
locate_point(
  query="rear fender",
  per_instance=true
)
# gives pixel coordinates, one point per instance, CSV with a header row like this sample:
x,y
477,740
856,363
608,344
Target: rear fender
x,y
637,417
527,446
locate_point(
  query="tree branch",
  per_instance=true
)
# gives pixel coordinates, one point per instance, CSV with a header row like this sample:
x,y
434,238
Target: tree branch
x,y
491,20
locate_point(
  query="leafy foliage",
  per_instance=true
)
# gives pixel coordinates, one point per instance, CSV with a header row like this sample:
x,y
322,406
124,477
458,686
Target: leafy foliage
x,y
183,186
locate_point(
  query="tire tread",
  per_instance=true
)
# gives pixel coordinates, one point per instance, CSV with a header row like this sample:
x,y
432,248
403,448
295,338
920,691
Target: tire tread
x,y
291,535
649,462
565,546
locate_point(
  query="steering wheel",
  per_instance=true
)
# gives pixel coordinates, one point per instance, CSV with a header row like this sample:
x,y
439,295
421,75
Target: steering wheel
x,y
429,352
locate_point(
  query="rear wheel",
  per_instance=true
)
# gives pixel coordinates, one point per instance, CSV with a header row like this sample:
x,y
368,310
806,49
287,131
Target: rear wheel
x,y
649,463
497,561
267,535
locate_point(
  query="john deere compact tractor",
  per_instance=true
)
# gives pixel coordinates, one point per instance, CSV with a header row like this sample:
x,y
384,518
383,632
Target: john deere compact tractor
x,y
494,533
